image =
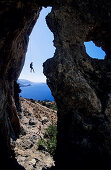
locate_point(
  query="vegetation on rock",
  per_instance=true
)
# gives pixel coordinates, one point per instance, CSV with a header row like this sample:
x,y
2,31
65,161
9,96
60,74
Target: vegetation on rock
x,y
51,105
48,143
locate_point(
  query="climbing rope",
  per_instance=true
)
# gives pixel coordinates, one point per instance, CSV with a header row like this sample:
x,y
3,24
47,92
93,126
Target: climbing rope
x,y
30,51
31,64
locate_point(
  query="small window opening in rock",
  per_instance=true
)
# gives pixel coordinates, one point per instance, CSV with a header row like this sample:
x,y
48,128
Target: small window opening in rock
x,y
39,110
93,51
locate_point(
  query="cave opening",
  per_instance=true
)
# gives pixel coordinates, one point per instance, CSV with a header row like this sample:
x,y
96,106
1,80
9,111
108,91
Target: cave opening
x,y
39,109
93,51
40,49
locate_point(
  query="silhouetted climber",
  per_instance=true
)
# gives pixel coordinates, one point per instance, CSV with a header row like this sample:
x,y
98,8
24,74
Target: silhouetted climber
x,y
31,66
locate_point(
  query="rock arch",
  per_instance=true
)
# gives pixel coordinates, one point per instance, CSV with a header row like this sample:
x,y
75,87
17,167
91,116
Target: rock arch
x,y
80,85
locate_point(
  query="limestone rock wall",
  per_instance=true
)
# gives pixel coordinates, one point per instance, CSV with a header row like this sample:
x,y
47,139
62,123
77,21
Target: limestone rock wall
x,y
80,85
17,19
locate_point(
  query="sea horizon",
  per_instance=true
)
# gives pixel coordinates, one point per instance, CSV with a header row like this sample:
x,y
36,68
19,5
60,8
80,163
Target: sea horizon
x,y
35,90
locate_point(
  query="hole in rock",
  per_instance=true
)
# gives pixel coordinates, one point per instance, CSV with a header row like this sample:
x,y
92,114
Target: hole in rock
x,y
40,48
93,51
39,111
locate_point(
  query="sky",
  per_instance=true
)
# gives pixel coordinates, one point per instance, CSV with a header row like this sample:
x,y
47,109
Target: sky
x,y
41,48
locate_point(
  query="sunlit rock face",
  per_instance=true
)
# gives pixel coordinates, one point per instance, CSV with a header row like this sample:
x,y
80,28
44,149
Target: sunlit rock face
x,y
80,85
17,19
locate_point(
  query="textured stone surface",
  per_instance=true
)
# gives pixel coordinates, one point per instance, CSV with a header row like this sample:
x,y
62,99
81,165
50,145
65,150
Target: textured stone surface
x,y
80,85
33,124
17,20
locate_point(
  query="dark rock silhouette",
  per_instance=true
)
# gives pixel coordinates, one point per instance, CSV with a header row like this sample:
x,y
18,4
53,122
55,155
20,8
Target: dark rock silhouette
x,y
80,85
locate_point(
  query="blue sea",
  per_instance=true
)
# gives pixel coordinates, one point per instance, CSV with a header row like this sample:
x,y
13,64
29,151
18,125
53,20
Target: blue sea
x,y
37,91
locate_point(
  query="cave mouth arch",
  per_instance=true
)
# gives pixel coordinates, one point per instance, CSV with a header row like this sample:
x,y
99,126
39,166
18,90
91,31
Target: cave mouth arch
x,y
93,51
40,49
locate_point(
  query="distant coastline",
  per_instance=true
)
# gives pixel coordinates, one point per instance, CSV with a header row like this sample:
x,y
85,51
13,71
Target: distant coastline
x,y
35,91
24,83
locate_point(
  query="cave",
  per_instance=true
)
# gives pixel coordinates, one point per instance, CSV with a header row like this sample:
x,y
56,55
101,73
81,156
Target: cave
x,y
80,85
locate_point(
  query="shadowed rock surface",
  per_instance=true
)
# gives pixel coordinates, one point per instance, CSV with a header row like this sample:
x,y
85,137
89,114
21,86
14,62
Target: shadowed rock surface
x,y
17,20
80,85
